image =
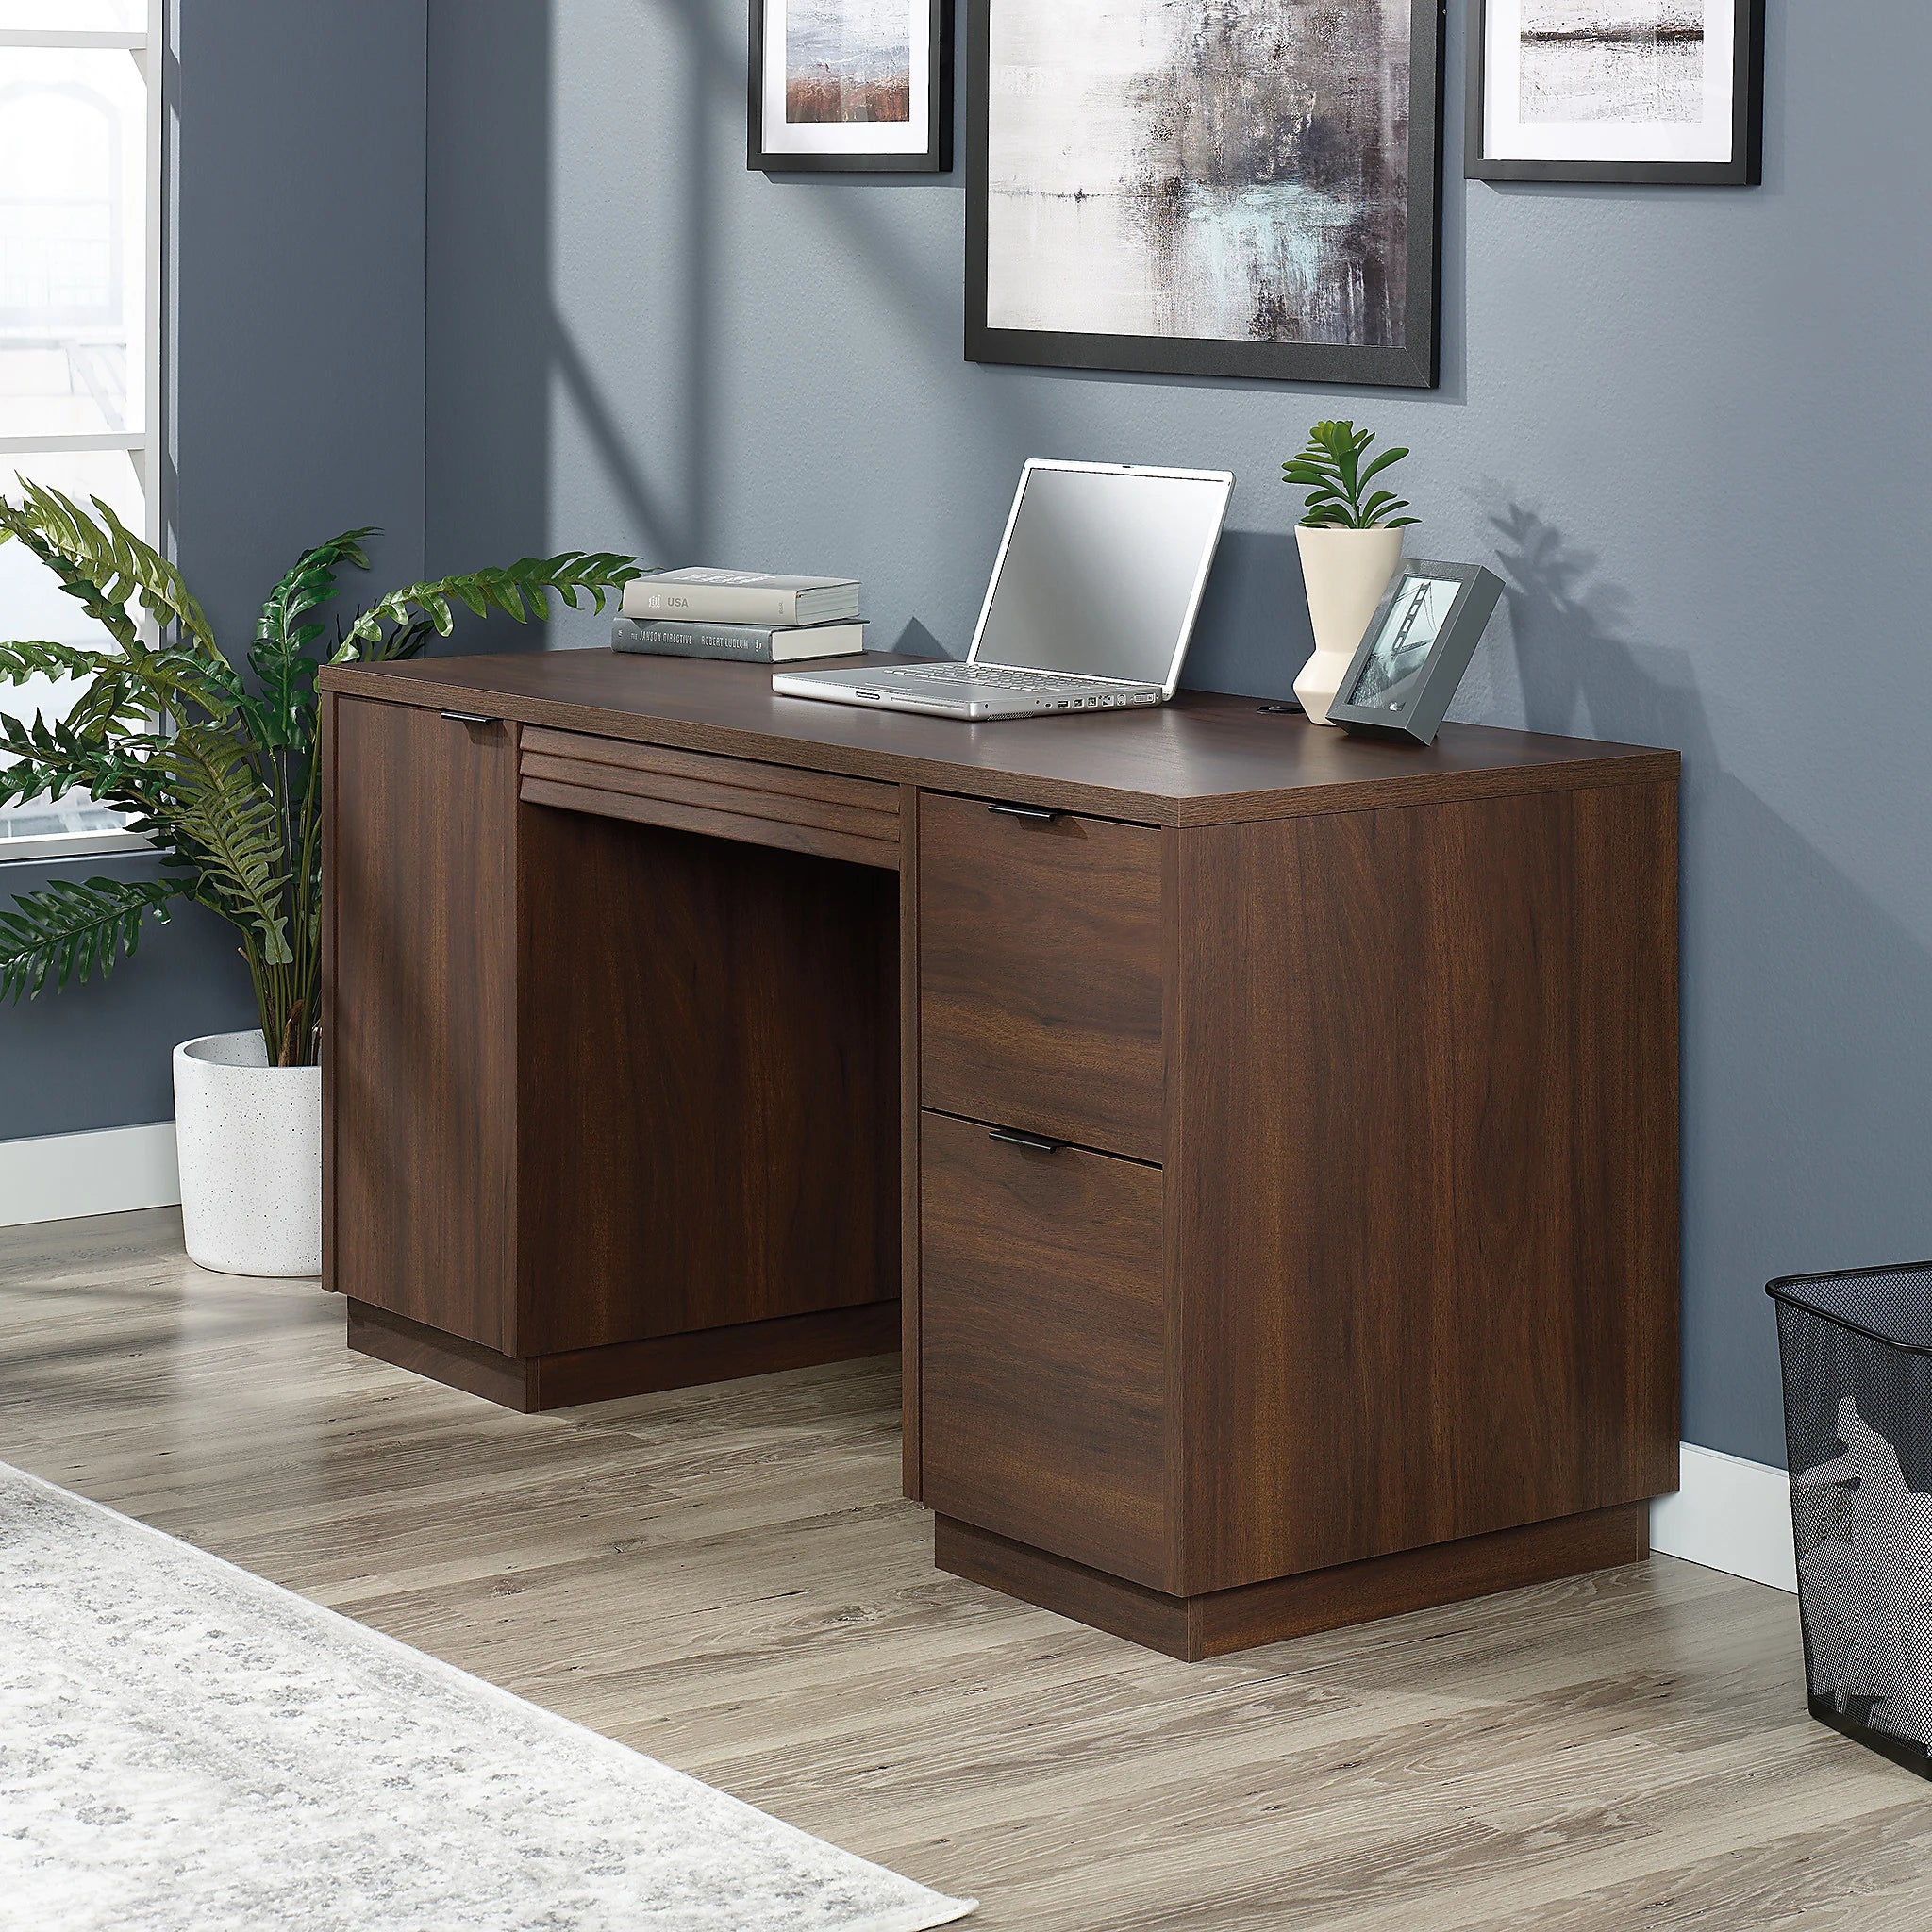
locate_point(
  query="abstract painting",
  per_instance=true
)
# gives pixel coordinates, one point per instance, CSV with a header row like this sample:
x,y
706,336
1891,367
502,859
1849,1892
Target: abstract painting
x,y
1617,90
848,60
851,85
1634,60
1215,186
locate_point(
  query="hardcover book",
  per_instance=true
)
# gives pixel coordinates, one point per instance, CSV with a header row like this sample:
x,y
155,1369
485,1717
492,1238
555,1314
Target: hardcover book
x,y
739,596
750,643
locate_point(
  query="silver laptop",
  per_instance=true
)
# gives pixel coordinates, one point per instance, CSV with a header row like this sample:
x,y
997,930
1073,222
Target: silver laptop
x,y
1091,603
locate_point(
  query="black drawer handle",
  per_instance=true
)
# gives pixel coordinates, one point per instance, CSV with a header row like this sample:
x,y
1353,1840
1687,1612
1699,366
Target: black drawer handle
x,y
467,717
1042,814
1034,1143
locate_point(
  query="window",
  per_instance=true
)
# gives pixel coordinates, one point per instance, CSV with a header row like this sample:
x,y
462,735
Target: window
x,y
80,223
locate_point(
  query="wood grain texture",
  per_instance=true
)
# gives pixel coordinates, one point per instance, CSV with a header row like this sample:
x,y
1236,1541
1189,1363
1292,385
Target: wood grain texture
x,y
727,1579
1431,1218
1203,760
531,1384
1044,1345
709,1083
1193,1627
909,1138
851,819
1040,974
420,995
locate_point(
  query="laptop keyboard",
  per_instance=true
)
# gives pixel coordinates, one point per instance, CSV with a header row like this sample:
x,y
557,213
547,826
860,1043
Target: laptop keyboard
x,y
1001,677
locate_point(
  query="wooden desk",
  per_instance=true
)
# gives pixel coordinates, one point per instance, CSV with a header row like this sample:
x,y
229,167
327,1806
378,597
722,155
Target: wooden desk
x,y
675,1031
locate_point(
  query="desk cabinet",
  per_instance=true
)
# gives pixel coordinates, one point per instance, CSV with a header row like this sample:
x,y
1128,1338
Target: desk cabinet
x,y
1368,1246
593,1125
1267,1139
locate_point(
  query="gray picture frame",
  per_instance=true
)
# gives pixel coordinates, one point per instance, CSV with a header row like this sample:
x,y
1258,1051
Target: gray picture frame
x,y
1418,715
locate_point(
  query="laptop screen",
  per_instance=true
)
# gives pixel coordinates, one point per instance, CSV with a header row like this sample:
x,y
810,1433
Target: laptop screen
x,y
1102,570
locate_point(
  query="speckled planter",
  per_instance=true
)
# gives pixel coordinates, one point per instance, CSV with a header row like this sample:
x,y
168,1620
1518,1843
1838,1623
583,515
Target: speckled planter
x,y
250,1142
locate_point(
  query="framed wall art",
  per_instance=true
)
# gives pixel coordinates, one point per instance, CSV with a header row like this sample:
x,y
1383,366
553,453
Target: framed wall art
x,y
1630,90
1245,188
851,86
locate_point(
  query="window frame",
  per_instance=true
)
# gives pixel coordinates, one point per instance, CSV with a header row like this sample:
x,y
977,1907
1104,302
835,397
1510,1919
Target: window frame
x,y
147,448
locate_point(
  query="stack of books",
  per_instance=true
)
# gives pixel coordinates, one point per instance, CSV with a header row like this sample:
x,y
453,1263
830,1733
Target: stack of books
x,y
741,614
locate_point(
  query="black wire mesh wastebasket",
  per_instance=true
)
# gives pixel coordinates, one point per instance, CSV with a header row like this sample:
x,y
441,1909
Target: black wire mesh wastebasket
x,y
1856,1354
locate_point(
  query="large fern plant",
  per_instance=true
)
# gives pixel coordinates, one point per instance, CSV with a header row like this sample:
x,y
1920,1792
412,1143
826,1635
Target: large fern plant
x,y
216,764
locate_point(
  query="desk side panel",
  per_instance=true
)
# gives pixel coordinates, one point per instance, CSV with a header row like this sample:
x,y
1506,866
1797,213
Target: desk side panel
x,y
419,1085
911,1464
1430,1227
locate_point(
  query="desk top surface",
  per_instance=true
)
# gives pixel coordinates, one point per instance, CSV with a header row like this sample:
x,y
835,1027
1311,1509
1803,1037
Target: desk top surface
x,y
1203,760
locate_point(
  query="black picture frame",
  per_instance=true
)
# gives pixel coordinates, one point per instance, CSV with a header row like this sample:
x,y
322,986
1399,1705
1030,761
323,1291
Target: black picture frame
x,y
1419,711
937,158
1745,167
1417,365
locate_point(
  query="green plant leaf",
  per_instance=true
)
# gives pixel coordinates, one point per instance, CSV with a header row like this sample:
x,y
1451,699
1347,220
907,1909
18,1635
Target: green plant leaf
x,y
72,931
1381,464
1331,467
1379,507
104,564
520,591
283,656
210,802
20,661
47,759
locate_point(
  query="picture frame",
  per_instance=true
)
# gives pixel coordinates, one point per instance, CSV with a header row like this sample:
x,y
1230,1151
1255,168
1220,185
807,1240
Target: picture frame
x,y
1722,149
1096,227
810,112
1412,656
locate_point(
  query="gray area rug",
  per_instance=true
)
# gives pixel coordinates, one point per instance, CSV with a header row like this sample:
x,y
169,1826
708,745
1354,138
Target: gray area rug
x,y
183,1746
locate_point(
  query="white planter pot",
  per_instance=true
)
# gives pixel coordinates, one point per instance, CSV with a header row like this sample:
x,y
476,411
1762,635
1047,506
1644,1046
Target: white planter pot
x,y
249,1136
1345,573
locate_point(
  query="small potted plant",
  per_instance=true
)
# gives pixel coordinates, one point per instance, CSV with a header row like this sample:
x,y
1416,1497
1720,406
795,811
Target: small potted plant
x,y
1351,545
217,766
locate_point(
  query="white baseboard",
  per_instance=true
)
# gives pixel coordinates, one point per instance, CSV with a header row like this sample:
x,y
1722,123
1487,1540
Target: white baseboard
x,y
1729,1515
62,1176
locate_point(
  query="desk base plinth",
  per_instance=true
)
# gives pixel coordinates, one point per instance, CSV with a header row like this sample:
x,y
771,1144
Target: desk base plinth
x,y
530,1383
1193,1627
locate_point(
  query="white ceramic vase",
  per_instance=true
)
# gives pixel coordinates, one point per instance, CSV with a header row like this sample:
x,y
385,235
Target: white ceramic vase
x,y
1345,573
249,1136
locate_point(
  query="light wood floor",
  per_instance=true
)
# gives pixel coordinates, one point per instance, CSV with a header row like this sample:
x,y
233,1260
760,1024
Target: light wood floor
x,y
728,1579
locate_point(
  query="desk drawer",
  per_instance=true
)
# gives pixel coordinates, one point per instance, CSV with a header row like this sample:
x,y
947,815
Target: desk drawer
x,y
1039,973
853,818
1043,1347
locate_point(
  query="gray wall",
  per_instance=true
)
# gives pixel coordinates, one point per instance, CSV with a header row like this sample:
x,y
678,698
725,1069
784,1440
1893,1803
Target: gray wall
x,y
297,333
1691,427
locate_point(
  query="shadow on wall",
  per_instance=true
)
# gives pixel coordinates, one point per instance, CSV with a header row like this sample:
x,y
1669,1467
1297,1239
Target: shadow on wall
x,y
490,176
507,348
1807,1100
1253,634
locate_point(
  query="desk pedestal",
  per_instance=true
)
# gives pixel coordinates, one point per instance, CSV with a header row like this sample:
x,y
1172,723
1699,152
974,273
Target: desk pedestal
x,y
612,1106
